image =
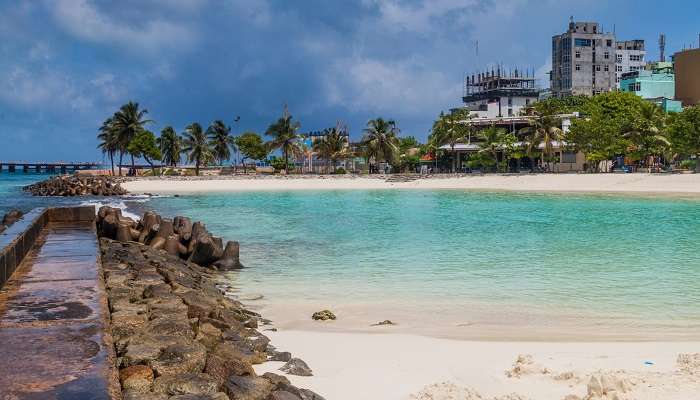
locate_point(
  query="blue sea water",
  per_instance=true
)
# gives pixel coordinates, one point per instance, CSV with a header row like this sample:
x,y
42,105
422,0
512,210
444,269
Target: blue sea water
x,y
629,259
599,261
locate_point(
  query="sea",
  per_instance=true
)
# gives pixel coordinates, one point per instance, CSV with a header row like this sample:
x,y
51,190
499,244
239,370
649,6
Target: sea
x,y
474,264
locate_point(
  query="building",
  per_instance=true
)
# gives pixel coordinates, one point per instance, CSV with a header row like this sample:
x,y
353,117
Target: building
x,y
583,61
687,67
656,85
566,159
629,57
499,93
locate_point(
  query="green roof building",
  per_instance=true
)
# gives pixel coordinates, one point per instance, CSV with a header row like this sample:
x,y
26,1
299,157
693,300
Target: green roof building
x,y
657,85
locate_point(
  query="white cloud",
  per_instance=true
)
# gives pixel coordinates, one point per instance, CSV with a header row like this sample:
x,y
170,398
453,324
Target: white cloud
x,y
19,86
403,87
85,21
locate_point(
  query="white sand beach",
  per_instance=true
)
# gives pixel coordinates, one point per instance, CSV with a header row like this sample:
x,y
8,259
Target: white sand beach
x,y
586,183
386,366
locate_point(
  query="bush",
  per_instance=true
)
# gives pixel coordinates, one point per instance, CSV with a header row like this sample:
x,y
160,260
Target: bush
x,y
689,164
278,164
340,171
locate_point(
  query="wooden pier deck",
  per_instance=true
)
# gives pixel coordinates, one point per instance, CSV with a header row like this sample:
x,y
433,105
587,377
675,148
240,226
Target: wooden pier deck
x,y
48,167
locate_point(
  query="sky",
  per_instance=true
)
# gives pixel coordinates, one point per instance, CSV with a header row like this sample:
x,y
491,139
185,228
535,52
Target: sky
x,y
67,65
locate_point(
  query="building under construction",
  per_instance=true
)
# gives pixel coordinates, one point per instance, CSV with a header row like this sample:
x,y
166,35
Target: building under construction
x,y
499,93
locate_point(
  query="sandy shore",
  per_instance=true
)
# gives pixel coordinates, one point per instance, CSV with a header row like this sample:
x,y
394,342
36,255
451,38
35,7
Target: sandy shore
x,y
688,184
397,367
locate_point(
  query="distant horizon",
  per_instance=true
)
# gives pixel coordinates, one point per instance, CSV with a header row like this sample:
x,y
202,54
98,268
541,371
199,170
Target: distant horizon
x,y
68,65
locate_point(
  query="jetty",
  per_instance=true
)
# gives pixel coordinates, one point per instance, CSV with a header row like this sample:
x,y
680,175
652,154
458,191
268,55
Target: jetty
x,y
54,338
46,167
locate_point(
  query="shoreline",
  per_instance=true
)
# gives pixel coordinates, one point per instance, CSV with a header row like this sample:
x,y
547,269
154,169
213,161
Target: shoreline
x,y
638,184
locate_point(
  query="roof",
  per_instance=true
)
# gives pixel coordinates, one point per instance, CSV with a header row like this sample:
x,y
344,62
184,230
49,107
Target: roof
x,y
476,147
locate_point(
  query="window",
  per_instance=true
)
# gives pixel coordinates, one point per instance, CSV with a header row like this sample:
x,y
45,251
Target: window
x,y
619,58
568,157
510,112
578,67
606,68
582,42
527,102
606,55
510,101
635,57
618,68
609,43
578,54
597,68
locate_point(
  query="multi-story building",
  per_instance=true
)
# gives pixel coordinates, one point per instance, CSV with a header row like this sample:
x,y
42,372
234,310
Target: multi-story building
x,y
629,57
687,65
583,61
498,93
657,85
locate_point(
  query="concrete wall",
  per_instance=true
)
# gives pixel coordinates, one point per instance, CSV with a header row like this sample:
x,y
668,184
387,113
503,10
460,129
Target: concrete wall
x,y
687,65
18,239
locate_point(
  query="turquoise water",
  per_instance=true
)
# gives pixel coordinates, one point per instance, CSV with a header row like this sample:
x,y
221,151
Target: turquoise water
x,y
11,194
626,258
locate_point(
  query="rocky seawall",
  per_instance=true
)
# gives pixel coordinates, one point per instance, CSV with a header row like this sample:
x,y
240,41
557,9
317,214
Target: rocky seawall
x,y
77,185
176,336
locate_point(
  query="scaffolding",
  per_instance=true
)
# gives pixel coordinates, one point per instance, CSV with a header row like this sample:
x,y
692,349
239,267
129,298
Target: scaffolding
x,y
499,83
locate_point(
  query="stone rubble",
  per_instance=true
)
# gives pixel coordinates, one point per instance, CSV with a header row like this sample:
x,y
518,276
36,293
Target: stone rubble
x,y
77,185
176,336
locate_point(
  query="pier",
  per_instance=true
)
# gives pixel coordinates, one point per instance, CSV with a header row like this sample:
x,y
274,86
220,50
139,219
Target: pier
x,y
46,167
53,310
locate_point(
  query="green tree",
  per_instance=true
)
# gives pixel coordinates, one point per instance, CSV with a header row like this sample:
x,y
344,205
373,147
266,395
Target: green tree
x,y
333,145
196,146
544,130
380,140
128,122
684,133
285,137
252,147
170,145
220,140
491,140
452,129
647,136
606,117
109,140
144,145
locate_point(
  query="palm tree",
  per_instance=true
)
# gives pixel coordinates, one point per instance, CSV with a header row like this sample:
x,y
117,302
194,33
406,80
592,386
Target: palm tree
x,y
196,146
492,139
220,140
545,129
647,135
333,145
108,140
380,137
284,136
451,130
170,144
128,122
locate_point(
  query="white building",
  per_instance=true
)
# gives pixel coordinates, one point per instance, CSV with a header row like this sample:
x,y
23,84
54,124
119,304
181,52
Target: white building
x,y
498,94
630,56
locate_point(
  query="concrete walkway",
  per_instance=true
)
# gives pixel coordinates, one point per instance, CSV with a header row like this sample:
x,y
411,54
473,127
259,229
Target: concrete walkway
x,y
53,318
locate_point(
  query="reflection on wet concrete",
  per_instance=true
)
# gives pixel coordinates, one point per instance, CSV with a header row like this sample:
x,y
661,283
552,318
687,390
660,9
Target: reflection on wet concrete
x,y
52,320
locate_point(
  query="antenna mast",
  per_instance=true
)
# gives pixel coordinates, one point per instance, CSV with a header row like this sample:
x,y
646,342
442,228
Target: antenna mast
x,y
662,47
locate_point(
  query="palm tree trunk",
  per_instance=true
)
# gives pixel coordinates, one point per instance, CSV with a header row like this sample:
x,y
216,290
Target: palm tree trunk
x,y
196,167
121,157
133,166
286,160
111,161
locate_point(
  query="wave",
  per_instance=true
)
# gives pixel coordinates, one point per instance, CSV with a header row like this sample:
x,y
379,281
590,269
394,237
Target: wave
x,y
116,203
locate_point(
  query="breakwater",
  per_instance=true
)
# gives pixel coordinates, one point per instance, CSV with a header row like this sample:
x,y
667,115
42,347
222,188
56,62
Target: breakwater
x,y
89,318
